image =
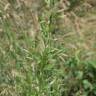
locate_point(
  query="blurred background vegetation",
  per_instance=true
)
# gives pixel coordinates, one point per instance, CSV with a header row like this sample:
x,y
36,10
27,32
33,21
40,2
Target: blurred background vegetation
x,y
47,47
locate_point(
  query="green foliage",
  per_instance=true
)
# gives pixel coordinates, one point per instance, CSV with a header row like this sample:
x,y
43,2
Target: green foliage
x,y
56,71
74,3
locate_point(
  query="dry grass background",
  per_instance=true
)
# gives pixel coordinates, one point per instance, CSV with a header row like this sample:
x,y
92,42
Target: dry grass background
x,y
21,25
